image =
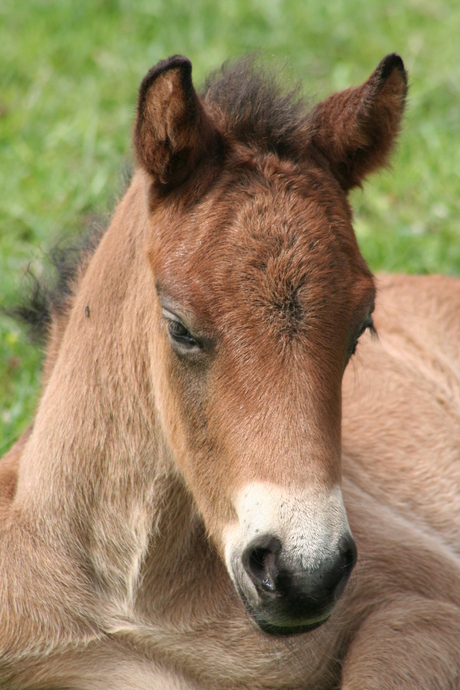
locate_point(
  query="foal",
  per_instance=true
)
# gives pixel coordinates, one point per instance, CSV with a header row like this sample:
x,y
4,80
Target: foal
x,y
174,519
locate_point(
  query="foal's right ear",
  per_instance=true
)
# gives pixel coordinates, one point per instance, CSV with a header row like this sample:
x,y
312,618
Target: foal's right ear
x,y
172,130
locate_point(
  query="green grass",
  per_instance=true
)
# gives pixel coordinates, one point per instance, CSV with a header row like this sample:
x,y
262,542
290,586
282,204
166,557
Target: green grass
x,y
69,73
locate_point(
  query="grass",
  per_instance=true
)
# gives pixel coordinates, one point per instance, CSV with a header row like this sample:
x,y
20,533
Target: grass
x,y
69,73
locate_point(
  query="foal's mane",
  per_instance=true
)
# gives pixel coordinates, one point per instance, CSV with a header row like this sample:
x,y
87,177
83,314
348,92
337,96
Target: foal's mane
x,y
48,299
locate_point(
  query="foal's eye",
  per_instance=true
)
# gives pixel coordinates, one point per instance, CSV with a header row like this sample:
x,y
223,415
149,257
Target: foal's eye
x,y
178,333
368,324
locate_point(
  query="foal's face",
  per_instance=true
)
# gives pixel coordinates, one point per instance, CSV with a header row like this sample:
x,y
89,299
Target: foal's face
x,y
261,297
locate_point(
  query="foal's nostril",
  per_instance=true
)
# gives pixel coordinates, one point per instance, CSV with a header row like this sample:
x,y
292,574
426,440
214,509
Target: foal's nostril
x,y
261,569
260,560
348,554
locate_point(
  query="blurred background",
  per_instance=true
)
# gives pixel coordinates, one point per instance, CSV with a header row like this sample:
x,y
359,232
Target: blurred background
x,y
69,74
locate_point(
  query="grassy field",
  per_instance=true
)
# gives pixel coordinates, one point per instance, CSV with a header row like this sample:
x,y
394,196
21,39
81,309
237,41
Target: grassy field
x,y
69,73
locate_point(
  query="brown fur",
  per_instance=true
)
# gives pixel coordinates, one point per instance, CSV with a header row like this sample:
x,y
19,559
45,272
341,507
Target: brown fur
x,y
114,506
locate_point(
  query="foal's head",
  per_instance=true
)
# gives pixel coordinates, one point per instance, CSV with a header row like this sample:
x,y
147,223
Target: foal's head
x,y
261,297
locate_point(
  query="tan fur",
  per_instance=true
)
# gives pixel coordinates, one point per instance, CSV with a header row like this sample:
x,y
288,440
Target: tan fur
x,y
115,506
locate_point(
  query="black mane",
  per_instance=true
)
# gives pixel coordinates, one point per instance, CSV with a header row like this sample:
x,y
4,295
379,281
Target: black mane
x,y
50,295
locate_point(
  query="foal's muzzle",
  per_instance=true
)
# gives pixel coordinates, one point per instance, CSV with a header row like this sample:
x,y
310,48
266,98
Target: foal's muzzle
x,y
290,555
291,599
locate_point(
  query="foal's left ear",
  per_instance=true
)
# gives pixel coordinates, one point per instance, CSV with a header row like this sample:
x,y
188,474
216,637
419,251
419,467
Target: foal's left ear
x,y
172,131
356,129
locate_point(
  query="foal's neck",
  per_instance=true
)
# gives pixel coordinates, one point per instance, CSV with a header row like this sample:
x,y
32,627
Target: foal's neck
x,y
96,472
